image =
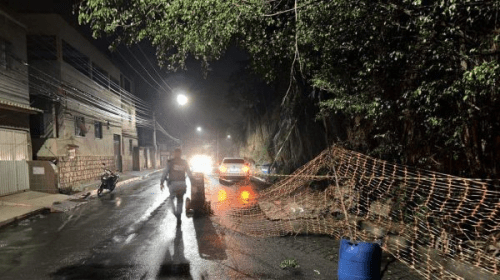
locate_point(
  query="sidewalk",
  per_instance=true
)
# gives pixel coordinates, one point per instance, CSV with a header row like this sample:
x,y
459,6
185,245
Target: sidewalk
x,y
20,206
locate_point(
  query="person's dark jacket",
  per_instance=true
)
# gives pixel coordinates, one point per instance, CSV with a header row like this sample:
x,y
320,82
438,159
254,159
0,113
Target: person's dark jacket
x,y
176,171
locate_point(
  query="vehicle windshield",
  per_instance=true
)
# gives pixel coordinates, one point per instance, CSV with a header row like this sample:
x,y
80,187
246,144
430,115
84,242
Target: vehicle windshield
x,y
233,160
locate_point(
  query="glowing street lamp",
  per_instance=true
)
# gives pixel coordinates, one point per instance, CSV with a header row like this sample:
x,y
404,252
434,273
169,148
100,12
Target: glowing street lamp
x,y
198,129
182,99
229,137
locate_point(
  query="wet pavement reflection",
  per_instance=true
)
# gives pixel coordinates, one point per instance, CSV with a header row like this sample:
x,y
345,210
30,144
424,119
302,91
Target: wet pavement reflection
x,y
175,264
132,233
230,196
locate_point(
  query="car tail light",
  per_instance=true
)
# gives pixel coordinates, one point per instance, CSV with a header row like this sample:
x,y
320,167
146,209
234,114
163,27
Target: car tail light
x,y
245,169
245,195
222,168
222,195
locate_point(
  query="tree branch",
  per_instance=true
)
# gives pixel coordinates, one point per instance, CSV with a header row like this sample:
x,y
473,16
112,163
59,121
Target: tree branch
x,y
289,10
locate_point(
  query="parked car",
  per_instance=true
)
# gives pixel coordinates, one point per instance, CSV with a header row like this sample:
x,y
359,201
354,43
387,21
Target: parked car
x,y
265,168
234,169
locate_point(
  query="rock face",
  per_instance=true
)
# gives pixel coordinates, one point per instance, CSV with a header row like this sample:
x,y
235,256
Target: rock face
x,y
288,135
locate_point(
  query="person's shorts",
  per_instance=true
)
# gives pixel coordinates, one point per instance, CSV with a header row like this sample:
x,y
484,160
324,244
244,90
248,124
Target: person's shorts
x,y
177,188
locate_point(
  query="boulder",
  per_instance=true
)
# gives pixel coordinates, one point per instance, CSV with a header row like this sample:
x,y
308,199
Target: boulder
x,y
381,209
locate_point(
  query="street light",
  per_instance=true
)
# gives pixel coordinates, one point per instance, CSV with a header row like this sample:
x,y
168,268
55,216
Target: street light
x,y
182,99
199,129
228,136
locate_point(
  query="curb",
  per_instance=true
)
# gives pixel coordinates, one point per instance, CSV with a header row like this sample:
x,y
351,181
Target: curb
x,y
74,196
24,216
6,203
93,190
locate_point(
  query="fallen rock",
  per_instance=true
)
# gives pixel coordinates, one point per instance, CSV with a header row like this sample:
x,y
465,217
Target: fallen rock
x,y
395,243
376,230
380,209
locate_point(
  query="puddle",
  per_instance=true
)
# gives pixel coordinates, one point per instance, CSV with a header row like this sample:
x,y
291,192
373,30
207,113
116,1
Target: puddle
x,y
24,222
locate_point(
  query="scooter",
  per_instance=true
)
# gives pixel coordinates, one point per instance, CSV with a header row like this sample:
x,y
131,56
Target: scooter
x,y
108,181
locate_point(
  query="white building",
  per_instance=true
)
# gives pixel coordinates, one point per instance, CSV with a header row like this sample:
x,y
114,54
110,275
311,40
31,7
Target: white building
x,y
89,116
15,109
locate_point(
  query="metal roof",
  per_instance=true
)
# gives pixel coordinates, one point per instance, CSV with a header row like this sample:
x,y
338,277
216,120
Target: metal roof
x,y
19,107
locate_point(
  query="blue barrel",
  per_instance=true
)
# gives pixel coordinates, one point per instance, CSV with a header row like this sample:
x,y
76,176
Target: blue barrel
x,y
360,261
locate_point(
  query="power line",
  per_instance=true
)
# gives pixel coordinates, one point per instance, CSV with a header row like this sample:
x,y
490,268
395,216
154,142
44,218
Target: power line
x,y
147,72
48,84
160,128
135,70
138,102
88,63
154,68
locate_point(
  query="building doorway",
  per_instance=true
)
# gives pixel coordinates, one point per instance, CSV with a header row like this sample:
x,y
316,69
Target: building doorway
x,y
118,151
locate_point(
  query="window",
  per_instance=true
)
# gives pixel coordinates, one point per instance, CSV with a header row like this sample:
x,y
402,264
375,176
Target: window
x,y
114,84
129,116
130,146
41,47
80,129
76,59
100,76
5,54
125,83
40,123
98,129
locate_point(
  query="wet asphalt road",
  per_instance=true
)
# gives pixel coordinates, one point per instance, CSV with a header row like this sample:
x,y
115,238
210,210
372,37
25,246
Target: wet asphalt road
x,y
131,233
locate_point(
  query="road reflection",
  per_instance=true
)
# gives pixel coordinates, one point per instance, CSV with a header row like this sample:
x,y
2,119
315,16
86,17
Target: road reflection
x,y
175,266
227,197
211,244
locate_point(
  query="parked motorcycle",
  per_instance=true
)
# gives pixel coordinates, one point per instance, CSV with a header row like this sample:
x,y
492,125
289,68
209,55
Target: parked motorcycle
x,y
108,181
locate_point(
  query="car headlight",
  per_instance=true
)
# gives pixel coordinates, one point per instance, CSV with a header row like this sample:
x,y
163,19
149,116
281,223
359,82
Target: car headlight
x,y
201,163
245,169
222,168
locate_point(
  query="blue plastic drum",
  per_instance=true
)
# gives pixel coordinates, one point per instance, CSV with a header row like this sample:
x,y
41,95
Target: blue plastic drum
x,y
360,261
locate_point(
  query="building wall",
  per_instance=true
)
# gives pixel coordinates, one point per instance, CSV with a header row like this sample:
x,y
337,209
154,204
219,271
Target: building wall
x,y
54,24
129,132
79,95
75,172
43,176
14,87
139,158
15,144
13,75
128,153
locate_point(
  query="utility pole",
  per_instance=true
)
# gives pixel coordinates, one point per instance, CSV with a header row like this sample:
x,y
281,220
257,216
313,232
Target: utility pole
x,y
155,147
217,146
55,125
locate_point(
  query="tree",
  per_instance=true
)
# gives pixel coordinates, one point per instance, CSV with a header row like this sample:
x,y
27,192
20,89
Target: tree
x,y
416,79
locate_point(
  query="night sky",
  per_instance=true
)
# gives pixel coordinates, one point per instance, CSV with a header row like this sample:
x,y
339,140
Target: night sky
x,y
207,103
206,107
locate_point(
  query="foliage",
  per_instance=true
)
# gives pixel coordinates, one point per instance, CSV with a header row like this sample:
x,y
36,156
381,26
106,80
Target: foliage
x,y
290,262
417,79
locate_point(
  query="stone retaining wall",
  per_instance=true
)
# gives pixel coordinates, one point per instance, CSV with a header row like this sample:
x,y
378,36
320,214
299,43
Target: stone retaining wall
x,y
81,169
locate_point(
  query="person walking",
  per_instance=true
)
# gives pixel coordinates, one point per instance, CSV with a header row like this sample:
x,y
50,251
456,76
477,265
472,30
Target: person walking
x,y
175,175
